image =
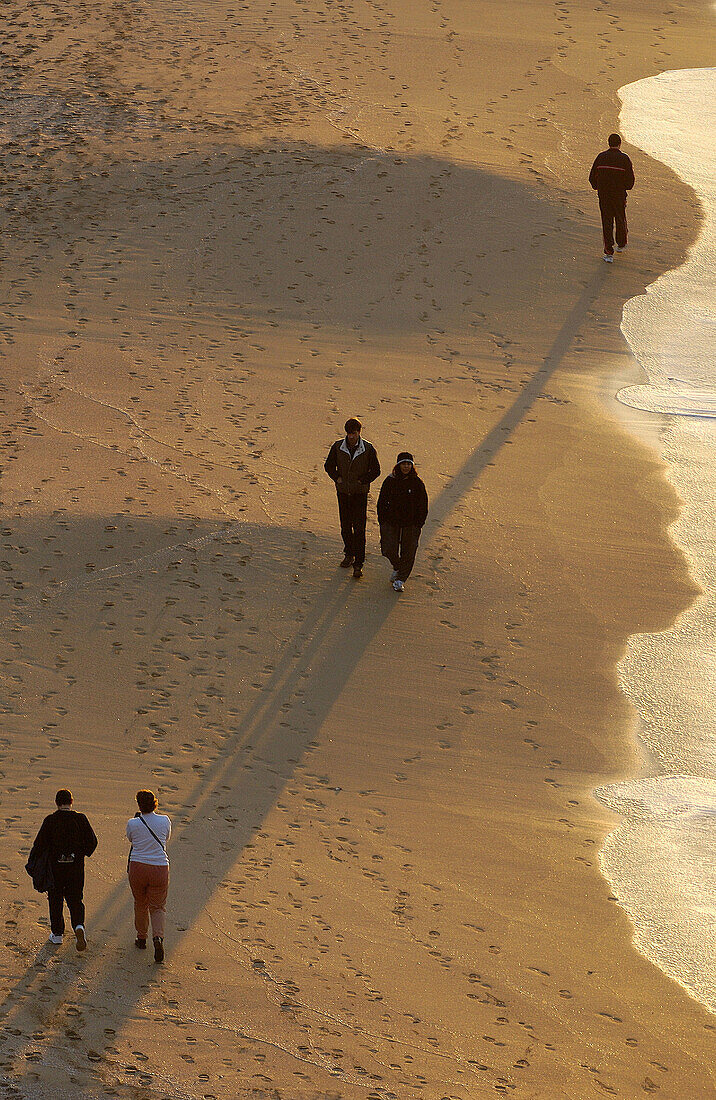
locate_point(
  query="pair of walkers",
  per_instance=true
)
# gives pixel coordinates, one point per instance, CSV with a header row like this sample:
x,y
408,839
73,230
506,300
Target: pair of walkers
x,y
353,465
56,865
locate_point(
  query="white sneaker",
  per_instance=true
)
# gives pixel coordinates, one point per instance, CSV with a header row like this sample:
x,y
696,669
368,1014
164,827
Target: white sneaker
x,y
608,259
398,585
54,939
619,249
80,937
394,576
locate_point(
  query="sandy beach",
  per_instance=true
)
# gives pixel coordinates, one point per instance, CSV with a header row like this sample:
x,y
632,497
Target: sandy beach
x,y
225,228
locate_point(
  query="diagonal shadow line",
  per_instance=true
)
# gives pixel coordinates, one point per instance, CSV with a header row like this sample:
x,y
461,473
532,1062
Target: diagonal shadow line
x,y
461,483
441,507
262,712
323,682
116,906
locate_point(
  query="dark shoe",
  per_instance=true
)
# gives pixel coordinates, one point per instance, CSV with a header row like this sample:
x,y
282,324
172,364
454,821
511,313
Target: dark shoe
x,y
158,949
347,561
357,572
81,938
141,943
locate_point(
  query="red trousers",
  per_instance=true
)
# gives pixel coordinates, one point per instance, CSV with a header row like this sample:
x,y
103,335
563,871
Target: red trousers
x,y
150,886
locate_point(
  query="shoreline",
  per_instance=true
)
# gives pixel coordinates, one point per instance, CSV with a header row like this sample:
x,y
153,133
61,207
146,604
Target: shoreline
x,y
660,859
385,846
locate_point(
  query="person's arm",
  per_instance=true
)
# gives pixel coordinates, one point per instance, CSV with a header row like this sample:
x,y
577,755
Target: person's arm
x,y
384,498
42,840
593,172
331,463
373,467
88,837
629,183
422,504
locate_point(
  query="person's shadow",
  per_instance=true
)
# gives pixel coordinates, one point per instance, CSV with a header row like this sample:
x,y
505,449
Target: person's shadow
x,y
369,260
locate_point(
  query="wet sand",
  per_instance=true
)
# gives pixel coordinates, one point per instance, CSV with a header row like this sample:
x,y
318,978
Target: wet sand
x,y
226,228
661,858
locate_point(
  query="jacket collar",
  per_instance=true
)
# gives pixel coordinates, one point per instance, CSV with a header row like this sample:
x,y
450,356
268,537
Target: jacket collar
x,y
360,449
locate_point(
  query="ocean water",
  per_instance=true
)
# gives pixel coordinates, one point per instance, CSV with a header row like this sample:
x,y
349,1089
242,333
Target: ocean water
x,y
661,860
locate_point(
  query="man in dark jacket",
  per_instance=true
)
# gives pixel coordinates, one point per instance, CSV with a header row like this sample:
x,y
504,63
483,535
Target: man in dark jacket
x,y
68,837
402,511
612,175
352,463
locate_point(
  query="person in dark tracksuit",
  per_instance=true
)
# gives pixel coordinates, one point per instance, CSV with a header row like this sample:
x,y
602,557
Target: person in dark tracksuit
x,y
68,837
402,511
353,464
612,175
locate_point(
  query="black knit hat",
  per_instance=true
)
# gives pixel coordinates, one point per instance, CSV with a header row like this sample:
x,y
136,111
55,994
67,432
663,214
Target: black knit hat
x,y
405,456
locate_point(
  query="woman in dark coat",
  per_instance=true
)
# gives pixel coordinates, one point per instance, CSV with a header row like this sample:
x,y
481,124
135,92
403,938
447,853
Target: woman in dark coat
x,y
402,511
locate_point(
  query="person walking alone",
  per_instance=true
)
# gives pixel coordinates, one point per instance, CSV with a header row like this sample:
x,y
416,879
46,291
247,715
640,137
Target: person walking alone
x,y
64,840
611,176
352,464
402,511
148,867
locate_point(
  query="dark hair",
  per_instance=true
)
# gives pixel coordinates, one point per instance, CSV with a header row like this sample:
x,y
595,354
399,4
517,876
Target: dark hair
x,y
63,797
614,140
397,472
352,425
147,801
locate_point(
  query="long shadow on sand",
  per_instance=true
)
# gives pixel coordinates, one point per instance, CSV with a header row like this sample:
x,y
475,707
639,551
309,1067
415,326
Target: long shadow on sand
x,y
308,663
302,237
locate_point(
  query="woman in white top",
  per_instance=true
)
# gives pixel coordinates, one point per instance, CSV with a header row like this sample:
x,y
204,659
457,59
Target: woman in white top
x,y
148,832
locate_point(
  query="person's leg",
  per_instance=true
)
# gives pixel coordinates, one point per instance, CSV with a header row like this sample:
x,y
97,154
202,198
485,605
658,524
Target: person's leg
x,y
409,538
606,209
360,514
74,889
389,536
56,900
138,884
345,514
157,890
621,224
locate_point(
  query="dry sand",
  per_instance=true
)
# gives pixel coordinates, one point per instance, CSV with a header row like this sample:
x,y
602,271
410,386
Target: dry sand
x,y
227,227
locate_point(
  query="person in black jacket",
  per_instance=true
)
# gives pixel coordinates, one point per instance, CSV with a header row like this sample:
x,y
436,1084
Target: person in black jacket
x,y
68,837
612,175
353,464
402,511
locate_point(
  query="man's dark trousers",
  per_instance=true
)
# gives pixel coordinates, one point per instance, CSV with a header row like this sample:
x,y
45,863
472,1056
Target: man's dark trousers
x,y
69,887
352,510
399,545
613,210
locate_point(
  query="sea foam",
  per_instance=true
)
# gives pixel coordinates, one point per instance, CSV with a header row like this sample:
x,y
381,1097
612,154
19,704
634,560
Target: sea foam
x,y
661,858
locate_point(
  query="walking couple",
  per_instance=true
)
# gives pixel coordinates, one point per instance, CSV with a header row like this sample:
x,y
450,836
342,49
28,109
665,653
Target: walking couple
x,y
57,866
352,463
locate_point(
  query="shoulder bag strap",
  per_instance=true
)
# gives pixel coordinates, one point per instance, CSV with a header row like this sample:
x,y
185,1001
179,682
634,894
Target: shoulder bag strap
x,y
151,830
